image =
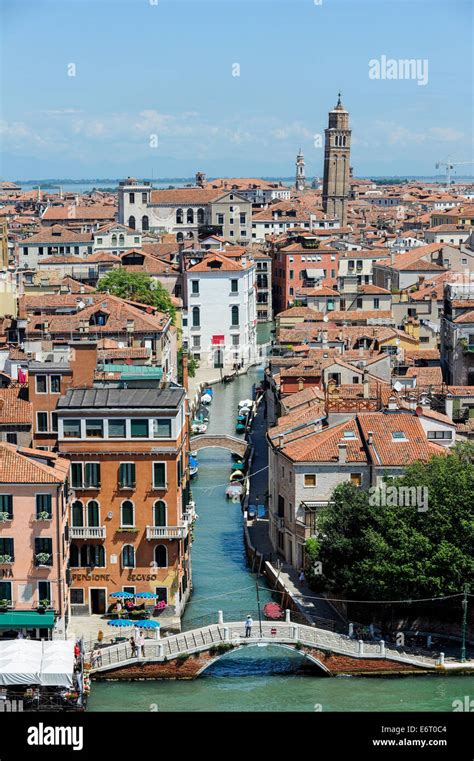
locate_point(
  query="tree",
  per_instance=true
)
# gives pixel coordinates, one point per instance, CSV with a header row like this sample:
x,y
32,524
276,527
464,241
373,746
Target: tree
x,y
193,365
395,552
137,286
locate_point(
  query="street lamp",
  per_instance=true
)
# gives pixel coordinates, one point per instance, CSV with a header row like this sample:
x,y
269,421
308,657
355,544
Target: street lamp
x,y
464,624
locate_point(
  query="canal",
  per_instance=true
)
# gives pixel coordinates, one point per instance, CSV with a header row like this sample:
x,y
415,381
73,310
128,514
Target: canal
x,y
255,679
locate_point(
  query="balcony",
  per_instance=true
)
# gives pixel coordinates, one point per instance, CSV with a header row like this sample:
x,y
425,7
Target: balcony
x,y
280,522
87,532
167,532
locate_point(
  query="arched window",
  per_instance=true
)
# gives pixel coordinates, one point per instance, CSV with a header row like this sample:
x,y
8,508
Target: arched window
x,y
190,216
93,555
196,317
77,513
200,216
159,513
128,556
179,237
145,224
114,240
161,556
85,556
131,222
93,514
127,517
74,556
235,315
179,216
121,239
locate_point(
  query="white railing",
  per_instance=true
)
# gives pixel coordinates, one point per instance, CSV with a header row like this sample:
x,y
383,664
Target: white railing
x,y
167,532
87,532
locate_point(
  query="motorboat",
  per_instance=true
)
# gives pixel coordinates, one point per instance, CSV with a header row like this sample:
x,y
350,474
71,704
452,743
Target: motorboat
x,y
237,475
206,399
239,465
197,426
240,428
234,491
193,467
245,403
202,413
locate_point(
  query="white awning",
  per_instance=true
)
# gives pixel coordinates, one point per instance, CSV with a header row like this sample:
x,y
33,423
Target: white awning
x,y
313,273
24,661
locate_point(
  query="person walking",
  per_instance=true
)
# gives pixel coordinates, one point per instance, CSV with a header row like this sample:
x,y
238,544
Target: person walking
x,y
301,577
134,647
248,626
142,643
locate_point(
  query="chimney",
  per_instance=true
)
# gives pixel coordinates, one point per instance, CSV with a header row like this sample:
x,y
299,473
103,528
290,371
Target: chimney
x,y
185,370
83,361
325,338
365,383
449,405
342,452
370,437
281,439
392,256
392,403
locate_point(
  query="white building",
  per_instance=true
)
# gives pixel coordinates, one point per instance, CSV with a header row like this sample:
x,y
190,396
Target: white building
x,y
220,322
116,238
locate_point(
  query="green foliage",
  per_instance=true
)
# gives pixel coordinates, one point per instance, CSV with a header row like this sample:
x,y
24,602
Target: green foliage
x,y
137,286
374,552
193,365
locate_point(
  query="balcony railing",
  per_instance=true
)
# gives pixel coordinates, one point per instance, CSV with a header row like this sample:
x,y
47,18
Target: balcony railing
x,y
167,532
280,522
87,532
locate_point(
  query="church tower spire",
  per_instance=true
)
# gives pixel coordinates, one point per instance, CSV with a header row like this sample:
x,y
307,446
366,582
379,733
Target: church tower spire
x,y
337,163
300,180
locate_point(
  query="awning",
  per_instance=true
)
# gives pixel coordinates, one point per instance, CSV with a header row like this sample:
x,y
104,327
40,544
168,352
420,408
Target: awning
x,y
29,619
25,661
217,340
312,273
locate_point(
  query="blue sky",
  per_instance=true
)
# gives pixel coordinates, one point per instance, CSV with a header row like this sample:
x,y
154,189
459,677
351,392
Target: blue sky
x,y
154,91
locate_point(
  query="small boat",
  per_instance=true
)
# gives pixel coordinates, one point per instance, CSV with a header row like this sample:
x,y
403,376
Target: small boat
x,y
241,418
240,428
197,426
273,611
193,467
237,475
245,403
244,411
202,413
208,390
239,465
206,399
234,491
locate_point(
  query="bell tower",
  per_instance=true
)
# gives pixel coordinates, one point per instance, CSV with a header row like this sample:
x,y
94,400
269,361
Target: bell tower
x,y
300,180
337,150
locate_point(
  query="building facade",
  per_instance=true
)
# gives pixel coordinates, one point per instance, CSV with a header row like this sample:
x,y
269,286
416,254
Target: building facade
x,y
336,183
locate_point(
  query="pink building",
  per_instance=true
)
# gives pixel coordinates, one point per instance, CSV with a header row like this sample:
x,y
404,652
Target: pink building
x,y
33,545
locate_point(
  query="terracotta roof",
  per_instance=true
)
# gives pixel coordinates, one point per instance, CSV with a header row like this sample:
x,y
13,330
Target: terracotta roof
x,y
436,416
217,262
305,398
19,466
72,212
467,317
389,451
323,446
426,375
13,409
187,196
307,312
56,234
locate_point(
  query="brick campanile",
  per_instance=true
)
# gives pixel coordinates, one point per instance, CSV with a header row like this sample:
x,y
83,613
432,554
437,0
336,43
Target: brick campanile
x,y
337,163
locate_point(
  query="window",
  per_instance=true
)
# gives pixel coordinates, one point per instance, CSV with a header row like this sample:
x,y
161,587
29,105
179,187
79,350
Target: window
x,y
161,556
41,422
440,435
6,504
220,219
117,429
195,287
159,475
132,197
398,436
196,317
127,475
236,340
128,556
94,429
310,479
77,513
196,342
77,597
190,217
44,591
76,475
92,475
159,513
234,286
145,223
54,421
243,218
234,316
179,216
43,506
131,222
41,384
356,479
72,429
200,216
92,555
7,549
6,590
161,428
139,429
43,551
281,506
127,513
359,303
55,384
93,513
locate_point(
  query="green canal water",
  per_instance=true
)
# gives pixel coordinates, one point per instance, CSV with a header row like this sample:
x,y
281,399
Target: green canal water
x,y
255,678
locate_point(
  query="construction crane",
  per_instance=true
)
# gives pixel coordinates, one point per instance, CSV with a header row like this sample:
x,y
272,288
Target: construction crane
x,y
449,166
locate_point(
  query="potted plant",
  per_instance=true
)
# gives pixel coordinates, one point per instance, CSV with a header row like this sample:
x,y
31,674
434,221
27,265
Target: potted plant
x,y
43,558
5,559
4,605
4,516
43,604
43,516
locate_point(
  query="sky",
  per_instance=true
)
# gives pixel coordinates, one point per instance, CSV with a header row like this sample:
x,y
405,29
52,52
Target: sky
x,y
165,88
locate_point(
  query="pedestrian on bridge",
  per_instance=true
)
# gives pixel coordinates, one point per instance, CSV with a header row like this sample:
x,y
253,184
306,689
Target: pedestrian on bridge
x,y
248,626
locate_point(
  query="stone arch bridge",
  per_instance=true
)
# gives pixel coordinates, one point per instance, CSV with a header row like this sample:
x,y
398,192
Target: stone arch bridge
x,y
223,441
188,654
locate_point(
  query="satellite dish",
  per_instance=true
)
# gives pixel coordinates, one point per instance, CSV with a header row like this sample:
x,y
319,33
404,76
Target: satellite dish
x,y
110,515
325,318
397,386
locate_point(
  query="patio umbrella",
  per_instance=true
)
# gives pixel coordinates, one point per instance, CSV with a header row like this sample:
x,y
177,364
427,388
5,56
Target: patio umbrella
x,y
121,594
148,624
147,595
121,622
